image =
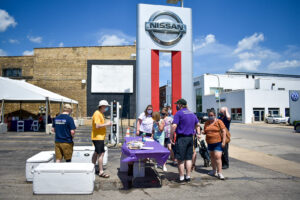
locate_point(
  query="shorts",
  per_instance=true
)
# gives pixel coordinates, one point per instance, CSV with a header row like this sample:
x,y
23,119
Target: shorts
x,y
99,146
63,150
167,141
215,147
184,147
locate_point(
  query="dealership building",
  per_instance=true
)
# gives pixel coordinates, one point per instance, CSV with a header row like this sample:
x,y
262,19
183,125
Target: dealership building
x,y
250,97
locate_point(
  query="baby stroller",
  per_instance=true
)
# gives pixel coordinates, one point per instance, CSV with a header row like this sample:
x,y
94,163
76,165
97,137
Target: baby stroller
x,y
203,151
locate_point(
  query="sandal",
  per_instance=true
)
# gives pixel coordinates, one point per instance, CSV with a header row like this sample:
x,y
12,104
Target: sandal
x,y
103,175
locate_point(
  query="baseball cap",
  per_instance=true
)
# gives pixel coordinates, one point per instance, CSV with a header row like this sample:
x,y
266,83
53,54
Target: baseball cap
x,y
103,103
67,107
181,101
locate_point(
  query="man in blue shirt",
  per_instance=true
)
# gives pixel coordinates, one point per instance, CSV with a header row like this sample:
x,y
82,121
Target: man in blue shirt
x,y
184,124
226,119
64,128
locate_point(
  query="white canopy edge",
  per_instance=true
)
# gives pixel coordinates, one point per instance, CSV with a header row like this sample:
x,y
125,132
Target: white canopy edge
x,y
19,90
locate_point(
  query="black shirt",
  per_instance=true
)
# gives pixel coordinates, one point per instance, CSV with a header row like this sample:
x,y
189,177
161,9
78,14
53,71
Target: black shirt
x,y
226,122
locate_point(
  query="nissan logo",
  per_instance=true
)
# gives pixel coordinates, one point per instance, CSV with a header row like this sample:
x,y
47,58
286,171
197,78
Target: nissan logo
x,y
165,28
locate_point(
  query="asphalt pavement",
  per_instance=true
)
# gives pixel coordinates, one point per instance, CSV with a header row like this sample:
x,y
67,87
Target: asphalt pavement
x,y
245,179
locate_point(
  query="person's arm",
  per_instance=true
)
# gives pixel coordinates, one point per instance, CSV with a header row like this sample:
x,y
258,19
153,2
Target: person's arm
x,y
223,137
72,133
198,130
53,130
227,114
161,125
138,125
173,128
103,125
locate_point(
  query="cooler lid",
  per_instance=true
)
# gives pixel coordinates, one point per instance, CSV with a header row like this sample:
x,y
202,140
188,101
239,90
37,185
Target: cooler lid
x,y
43,156
83,148
65,167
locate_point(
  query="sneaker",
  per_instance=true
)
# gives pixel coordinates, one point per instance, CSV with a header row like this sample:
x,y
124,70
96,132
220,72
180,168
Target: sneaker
x,y
165,168
188,180
225,167
181,181
213,173
220,176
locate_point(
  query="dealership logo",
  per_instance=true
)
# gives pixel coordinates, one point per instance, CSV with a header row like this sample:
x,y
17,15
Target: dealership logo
x,y
295,96
165,28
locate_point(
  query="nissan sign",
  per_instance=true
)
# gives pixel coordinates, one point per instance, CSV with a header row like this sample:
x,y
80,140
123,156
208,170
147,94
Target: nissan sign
x,y
165,28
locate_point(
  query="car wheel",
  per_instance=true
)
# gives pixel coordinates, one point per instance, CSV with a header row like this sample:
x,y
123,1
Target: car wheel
x,y
298,129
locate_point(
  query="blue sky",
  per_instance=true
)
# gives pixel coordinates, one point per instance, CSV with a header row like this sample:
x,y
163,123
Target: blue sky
x,y
236,35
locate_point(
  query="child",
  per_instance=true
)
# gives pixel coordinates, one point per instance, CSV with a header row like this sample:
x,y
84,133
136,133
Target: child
x,y
158,128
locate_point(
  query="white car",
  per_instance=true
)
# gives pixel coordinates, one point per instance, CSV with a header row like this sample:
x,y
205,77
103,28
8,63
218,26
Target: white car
x,y
276,119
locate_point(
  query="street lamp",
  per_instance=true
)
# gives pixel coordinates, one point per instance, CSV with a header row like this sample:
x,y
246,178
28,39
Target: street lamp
x,y
218,89
175,2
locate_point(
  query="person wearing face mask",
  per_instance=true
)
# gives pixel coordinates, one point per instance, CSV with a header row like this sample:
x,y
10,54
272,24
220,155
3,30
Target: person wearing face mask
x,y
169,111
98,135
145,122
215,132
226,119
184,124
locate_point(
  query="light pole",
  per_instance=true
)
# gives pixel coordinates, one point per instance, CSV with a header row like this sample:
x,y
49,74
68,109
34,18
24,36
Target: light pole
x,y
218,89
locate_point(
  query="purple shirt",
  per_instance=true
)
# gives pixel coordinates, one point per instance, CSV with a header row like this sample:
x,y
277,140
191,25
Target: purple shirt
x,y
186,122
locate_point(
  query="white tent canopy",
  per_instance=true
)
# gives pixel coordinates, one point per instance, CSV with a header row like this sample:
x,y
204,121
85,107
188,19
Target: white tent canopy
x,y
18,90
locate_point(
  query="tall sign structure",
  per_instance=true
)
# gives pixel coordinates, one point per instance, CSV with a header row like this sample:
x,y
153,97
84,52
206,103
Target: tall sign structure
x,y
166,29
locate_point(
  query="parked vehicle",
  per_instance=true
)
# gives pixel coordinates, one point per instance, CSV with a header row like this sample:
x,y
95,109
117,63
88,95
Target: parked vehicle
x,y
276,119
297,126
202,117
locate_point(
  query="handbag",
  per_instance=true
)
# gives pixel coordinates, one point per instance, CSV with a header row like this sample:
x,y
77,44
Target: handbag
x,y
228,135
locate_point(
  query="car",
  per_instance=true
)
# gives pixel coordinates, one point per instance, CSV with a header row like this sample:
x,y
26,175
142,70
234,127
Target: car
x,y
297,126
276,119
202,117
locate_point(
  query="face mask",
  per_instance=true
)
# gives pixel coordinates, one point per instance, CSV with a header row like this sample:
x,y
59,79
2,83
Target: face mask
x,y
221,114
106,109
149,112
163,114
170,112
177,108
211,118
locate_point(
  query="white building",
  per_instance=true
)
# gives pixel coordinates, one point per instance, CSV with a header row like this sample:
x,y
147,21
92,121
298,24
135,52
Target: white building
x,y
249,96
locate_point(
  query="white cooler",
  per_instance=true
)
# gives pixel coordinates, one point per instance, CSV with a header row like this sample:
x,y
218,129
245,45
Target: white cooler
x,y
64,178
84,154
34,161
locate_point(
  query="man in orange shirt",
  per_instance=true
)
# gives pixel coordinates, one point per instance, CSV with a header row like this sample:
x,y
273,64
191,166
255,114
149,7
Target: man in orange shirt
x,y
98,135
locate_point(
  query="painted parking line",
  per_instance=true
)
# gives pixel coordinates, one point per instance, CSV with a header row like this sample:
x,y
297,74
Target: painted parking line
x,y
266,161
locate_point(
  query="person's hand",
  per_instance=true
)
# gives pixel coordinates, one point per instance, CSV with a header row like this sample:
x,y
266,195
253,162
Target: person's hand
x,y
109,123
138,133
199,136
223,144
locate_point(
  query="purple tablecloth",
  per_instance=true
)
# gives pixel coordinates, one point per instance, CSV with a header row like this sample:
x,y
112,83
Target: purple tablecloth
x,y
159,153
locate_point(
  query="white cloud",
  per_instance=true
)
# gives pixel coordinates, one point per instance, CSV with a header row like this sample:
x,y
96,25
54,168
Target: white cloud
x,y
249,42
2,53
28,53
12,41
6,20
203,42
35,39
61,44
114,38
248,65
164,59
284,64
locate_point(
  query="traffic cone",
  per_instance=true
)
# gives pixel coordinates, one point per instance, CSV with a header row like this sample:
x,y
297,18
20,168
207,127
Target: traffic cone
x,y
128,132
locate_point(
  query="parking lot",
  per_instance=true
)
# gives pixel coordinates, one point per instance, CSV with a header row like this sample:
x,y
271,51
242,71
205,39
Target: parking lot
x,y
244,180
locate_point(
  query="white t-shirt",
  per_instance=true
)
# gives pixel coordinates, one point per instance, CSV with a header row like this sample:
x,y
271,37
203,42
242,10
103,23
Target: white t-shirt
x,y
146,124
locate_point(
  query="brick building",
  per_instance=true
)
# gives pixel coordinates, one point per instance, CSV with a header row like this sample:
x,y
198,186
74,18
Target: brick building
x,y
67,71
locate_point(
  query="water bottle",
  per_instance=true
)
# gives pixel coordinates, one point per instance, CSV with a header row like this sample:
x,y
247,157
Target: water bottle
x,y
143,137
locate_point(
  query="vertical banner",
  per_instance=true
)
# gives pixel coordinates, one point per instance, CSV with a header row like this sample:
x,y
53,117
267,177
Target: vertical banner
x,y
176,78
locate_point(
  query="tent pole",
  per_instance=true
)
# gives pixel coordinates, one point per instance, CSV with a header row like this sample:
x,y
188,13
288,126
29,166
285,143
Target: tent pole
x,y
77,107
60,107
2,111
46,123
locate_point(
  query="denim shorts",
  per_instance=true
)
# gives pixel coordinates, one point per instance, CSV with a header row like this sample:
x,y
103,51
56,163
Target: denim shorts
x,y
215,147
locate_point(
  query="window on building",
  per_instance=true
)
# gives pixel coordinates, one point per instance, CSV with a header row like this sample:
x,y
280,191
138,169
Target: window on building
x,y
213,90
199,100
287,112
12,72
236,114
196,83
273,111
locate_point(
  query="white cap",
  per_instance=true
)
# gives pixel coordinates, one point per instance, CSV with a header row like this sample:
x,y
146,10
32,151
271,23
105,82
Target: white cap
x,y
103,103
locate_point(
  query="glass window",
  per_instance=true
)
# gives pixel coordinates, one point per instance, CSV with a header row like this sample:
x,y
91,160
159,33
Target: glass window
x,y
236,114
199,100
287,112
273,111
12,72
